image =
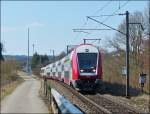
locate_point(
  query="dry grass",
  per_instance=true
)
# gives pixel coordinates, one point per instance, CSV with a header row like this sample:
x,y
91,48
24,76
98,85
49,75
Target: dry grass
x,y
45,98
112,70
8,71
9,77
9,88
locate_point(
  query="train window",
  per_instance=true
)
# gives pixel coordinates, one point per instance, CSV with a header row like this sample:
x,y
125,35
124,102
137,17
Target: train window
x,y
56,69
62,67
59,63
87,62
42,71
67,74
59,74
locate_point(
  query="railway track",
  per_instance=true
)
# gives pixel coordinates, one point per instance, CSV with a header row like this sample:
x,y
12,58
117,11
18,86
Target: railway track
x,y
96,103
113,107
92,105
86,105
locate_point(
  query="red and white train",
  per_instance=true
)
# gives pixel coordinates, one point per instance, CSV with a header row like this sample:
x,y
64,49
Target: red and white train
x,y
81,69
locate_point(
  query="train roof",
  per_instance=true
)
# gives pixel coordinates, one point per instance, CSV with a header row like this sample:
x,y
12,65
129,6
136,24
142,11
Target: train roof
x,y
76,48
85,48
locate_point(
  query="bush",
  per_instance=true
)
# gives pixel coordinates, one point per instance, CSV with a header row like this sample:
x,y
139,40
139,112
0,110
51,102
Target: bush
x,y
8,71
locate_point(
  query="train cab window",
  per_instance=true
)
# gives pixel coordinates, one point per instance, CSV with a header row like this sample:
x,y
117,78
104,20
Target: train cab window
x,y
87,62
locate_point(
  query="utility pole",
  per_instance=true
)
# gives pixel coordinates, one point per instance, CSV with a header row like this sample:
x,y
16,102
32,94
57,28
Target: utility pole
x,y
33,49
28,53
53,54
127,46
67,49
149,50
127,55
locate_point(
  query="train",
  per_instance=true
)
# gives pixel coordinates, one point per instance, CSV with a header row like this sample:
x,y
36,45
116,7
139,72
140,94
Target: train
x,y
80,69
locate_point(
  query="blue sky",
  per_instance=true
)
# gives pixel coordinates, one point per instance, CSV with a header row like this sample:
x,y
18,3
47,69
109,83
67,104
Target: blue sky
x,y
51,23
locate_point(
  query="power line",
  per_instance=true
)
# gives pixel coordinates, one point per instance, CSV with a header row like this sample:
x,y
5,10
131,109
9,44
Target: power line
x,y
104,15
101,9
116,11
81,31
119,4
93,42
106,25
105,5
90,29
91,39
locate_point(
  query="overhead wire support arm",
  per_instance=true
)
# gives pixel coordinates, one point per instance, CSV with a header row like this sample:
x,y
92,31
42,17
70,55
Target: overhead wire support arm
x,y
90,39
103,15
88,29
139,24
105,25
81,31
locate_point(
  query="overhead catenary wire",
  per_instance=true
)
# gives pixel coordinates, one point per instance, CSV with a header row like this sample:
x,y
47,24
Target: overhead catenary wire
x,y
116,11
101,9
113,14
104,15
105,25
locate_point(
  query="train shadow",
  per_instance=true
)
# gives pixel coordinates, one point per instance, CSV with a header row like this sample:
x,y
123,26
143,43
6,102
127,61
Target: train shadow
x,y
118,89
88,92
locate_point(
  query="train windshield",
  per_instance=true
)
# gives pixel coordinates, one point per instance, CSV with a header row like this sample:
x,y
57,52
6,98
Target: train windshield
x,y
87,62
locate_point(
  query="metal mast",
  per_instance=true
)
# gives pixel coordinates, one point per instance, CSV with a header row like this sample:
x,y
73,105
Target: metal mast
x,y
28,54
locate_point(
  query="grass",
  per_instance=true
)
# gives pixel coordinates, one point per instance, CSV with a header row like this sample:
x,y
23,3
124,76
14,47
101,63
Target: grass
x,y
9,88
9,77
112,66
44,97
141,102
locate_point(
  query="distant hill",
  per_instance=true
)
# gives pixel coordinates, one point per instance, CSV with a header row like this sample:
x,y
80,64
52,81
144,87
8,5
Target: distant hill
x,y
21,58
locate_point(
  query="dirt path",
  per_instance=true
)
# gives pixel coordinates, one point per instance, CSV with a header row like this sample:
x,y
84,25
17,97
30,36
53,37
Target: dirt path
x,y
25,98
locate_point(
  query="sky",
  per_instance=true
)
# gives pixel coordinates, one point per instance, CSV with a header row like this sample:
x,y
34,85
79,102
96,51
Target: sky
x,y
50,23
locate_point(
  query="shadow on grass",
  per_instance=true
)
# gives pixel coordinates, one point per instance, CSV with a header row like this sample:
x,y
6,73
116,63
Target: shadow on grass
x,y
118,89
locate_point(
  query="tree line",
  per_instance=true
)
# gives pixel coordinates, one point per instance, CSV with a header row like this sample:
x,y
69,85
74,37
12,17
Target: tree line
x,y
139,50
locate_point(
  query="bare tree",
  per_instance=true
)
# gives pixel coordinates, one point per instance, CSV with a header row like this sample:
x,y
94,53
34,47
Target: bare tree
x,y
119,41
1,49
147,20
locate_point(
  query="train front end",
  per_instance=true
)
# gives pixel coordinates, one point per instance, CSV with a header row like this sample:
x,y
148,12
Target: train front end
x,y
87,71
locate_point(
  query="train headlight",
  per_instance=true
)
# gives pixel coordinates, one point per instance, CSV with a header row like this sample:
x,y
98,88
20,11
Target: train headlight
x,y
94,70
81,70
